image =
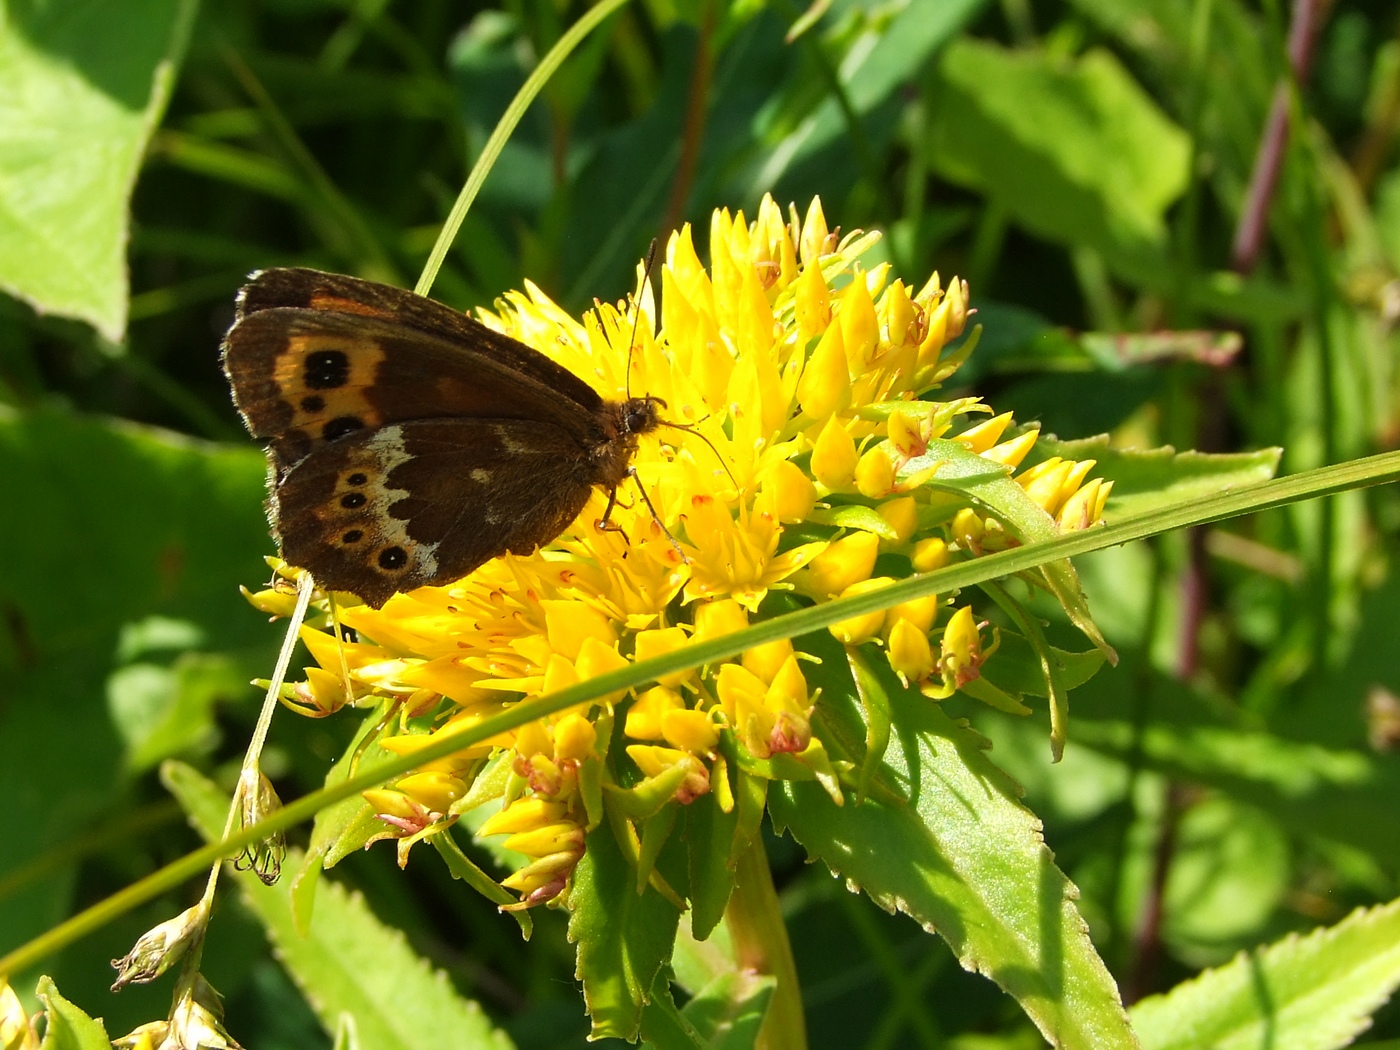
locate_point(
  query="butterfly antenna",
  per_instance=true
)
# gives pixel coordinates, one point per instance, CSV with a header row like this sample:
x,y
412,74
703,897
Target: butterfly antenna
x,y
692,430
637,316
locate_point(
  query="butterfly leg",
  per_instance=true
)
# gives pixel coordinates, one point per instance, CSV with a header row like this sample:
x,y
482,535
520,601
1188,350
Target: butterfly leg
x,y
632,473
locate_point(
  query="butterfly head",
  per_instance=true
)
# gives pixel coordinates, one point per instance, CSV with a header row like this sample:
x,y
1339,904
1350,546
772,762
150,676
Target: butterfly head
x,y
640,416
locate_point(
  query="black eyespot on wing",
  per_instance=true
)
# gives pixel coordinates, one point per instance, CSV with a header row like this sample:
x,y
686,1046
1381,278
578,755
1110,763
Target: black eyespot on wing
x,y
357,478
313,403
352,536
340,426
326,369
391,559
353,500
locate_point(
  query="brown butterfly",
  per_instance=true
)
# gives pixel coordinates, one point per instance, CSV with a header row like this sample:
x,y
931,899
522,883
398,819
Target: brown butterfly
x,y
409,443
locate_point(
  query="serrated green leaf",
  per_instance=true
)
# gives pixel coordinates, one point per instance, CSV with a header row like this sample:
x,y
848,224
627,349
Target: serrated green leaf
x,y
1094,161
81,89
348,962
623,937
1301,993
1146,479
973,864
68,1028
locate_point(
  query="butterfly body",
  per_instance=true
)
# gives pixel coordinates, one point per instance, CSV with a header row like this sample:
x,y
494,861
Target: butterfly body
x,y
407,442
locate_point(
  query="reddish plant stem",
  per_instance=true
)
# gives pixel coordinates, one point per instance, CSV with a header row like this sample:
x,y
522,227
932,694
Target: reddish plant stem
x,y
1268,161
693,134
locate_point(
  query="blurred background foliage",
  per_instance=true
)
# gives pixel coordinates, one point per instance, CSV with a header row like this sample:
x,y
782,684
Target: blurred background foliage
x,y
1086,164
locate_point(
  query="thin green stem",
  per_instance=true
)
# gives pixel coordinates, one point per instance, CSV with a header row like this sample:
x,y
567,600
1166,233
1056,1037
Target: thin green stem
x,y
761,945
1324,481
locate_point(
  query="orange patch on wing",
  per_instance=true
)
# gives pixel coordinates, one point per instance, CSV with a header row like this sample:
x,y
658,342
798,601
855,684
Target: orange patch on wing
x,y
313,407
336,304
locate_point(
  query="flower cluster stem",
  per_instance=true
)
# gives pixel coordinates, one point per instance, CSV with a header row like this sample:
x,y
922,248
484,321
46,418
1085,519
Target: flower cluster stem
x,y
761,945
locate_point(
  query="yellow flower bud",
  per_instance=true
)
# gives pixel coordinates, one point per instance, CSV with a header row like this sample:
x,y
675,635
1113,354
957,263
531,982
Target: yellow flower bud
x,y
814,240
902,515
898,313
718,618
909,652
574,738
825,386
522,814
567,623
834,457
645,716
864,627
546,840
689,730
1085,507
875,473
962,648
967,528
811,303
1012,452
435,792
659,643
595,658
860,328
788,690
906,434
765,660
985,434
559,674
920,612
846,561
792,492
930,554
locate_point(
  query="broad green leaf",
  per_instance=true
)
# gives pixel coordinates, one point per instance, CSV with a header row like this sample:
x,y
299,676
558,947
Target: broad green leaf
x,y
887,54
973,865
82,87
348,962
122,532
1145,479
623,937
1301,993
1092,162
67,1027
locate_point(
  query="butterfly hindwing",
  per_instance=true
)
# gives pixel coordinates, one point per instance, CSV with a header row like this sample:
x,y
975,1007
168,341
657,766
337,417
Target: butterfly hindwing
x,y
409,504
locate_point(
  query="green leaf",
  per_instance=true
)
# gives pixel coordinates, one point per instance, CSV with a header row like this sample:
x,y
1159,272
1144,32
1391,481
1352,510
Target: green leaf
x,y
729,1011
1093,161
68,1028
886,56
81,89
348,962
1146,479
973,863
1301,993
623,937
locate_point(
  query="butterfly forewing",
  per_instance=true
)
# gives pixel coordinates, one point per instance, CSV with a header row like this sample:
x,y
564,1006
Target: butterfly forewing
x,y
410,443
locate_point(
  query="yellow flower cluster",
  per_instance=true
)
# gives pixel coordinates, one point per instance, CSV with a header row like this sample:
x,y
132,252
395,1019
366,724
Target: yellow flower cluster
x,y
791,376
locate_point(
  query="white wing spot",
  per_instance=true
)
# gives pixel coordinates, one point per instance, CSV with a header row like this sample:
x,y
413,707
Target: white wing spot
x,y
481,475
508,441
